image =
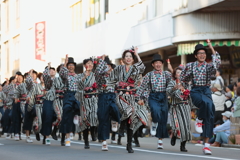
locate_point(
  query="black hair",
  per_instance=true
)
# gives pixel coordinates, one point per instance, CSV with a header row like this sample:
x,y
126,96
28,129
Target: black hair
x,y
175,71
25,75
220,71
52,68
130,51
11,79
87,60
238,80
59,68
34,72
4,83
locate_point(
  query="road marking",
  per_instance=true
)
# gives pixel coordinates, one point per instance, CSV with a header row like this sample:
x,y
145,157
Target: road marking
x,y
157,152
1,144
149,151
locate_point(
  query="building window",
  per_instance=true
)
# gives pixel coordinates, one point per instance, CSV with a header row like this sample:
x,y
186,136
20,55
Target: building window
x,y
159,7
93,12
77,16
106,9
7,56
16,43
142,9
7,14
17,13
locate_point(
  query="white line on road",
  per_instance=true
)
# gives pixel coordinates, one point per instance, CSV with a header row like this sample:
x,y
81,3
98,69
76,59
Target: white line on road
x,y
1,144
157,152
149,151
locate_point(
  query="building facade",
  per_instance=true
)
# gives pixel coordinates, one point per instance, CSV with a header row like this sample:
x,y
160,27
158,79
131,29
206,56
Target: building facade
x,y
83,28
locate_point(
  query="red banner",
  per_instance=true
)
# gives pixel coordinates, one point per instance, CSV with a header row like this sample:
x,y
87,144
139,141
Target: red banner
x,y
40,46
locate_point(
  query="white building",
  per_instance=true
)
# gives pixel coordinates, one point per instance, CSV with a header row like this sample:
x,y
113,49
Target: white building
x,y
21,41
84,28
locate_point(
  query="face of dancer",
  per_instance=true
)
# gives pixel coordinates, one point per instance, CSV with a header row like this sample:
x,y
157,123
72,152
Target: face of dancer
x,y
71,68
201,56
178,73
41,79
0,87
19,79
52,72
128,59
157,65
89,66
34,76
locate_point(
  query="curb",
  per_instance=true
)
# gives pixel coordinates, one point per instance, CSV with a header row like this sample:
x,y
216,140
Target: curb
x,y
230,146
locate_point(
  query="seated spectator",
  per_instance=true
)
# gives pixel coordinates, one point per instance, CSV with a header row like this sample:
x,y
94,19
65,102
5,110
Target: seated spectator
x,y
228,103
218,100
236,105
230,88
222,132
235,91
218,123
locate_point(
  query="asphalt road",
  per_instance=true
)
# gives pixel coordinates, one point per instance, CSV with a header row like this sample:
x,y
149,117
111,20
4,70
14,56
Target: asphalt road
x,y
20,150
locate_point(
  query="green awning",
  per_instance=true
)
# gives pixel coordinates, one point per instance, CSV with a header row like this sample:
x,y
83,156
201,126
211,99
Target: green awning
x,y
188,48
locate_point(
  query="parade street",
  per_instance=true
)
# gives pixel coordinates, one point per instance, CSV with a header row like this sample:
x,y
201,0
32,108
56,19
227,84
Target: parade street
x,y
20,150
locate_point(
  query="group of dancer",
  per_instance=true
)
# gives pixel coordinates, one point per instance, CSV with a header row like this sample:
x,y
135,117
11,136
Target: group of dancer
x,y
106,97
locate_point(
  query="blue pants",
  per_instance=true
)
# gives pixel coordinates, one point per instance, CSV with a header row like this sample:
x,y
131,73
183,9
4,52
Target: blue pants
x,y
1,111
107,111
16,118
28,118
70,108
6,122
48,117
202,98
159,110
221,137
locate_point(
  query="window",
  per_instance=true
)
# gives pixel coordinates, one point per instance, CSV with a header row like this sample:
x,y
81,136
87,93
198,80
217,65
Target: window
x,y
159,7
76,16
17,13
7,15
142,8
93,13
7,56
17,8
106,9
16,43
16,47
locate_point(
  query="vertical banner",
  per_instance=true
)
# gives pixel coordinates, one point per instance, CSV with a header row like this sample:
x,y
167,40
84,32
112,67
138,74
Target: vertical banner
x,y
40,41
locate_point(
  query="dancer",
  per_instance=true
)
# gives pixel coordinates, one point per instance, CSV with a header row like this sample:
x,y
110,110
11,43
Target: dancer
x,y
199,73
179,110
125,78
87,95
2,99
70,104
58,102
30,112
156,83
107,108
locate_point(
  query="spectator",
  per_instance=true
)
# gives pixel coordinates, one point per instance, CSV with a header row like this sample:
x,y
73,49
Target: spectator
x,y
219,79
238,84
222,131
228,103
236,106
235,91
218,123
230,88
218,100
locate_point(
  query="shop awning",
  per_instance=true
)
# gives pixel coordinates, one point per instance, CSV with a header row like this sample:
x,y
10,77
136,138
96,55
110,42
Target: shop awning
x,y
188,48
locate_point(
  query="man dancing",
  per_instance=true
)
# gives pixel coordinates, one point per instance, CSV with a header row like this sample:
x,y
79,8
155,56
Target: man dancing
x,y
199,73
